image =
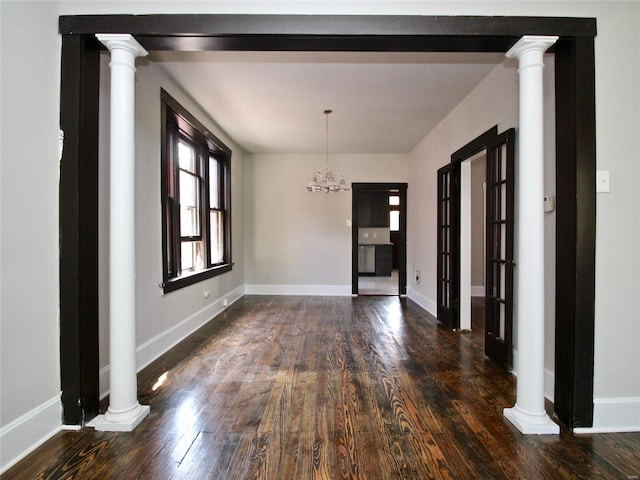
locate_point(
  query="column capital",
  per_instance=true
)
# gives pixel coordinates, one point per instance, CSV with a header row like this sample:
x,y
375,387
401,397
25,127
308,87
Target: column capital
x,y
122,41
531,42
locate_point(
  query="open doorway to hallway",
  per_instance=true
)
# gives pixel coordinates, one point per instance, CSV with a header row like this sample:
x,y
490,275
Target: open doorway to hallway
x,y
477,239
379,239
455,240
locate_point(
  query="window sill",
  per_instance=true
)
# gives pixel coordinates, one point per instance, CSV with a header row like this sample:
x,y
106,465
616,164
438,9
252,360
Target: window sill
x,y
186,280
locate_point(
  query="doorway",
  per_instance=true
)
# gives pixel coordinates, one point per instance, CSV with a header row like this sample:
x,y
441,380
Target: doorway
x,y
454,241
575,154
472,237
379,238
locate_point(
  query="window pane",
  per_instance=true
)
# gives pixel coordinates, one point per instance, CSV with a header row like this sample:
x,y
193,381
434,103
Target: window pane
x,y
187,156
189,205
191,256
214,183
394,220
394,200
217,237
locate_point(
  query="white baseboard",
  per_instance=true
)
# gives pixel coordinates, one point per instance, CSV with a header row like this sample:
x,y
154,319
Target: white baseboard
x,y
424,301
477,291
28,432
614,415
549,384
309,290
160,344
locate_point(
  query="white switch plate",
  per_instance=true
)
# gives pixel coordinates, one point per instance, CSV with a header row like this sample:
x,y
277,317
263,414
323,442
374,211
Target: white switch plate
x,y
549,203
603,184
348,223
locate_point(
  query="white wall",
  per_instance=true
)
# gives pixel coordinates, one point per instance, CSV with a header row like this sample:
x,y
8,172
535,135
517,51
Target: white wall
x,y
297,241
617,326
30,73
29,294
478,177
493,102
161,320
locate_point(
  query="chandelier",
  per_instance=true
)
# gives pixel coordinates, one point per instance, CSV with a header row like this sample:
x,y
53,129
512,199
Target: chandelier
x,y
328,181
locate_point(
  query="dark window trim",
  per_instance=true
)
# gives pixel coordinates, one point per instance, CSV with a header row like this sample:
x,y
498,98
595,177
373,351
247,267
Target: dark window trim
x,y
175,116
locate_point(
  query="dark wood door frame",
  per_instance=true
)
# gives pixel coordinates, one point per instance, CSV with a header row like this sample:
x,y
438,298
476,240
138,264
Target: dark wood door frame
x,y
402,244
575,154
473,147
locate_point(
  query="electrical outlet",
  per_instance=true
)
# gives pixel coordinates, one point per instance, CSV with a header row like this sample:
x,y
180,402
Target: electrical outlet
x,y
603,182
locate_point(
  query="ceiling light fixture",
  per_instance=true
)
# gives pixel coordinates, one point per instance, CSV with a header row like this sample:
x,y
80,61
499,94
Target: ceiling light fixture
x,y
327,182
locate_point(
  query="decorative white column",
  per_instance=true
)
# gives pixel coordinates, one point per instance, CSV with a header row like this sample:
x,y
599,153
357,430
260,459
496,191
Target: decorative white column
x,y
124,412
529,414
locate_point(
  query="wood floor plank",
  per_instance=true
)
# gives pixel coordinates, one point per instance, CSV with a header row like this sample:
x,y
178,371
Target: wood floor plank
x,y
328,388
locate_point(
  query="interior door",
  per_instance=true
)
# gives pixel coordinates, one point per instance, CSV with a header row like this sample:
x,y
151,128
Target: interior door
x,y
446,248
499,255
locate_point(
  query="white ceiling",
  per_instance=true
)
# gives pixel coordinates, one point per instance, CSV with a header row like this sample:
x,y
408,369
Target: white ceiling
x,y
273,102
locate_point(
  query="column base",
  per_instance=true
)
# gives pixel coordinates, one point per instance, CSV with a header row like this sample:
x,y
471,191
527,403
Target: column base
x,y
120,422
531,424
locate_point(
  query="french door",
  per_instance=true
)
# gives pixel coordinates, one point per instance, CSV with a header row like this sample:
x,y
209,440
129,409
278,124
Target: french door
x,y
499,255
447,242
500,150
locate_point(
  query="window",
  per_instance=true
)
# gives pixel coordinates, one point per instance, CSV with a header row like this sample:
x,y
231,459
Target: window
x,y
196,240
394,213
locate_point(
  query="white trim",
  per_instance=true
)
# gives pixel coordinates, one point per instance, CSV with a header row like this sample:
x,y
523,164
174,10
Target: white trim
x,y
425,302
612,415
23,435
477,291
160,344
309,290
549,384
465,246
531,424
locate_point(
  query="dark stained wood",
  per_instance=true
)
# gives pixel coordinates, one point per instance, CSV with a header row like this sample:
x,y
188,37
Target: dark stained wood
x,y
329,388
499,257
80,82
373,209
449,228
576,232
384,25
198,32
175,121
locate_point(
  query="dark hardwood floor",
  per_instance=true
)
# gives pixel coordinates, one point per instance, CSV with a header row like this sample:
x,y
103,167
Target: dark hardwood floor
x,y
329,388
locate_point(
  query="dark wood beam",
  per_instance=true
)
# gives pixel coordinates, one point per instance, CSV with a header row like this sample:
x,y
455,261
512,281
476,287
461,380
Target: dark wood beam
x,y
202,25
191,32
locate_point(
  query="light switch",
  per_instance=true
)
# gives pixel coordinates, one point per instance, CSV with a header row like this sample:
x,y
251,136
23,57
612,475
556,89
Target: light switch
x,y
602,181
549,203
348,223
